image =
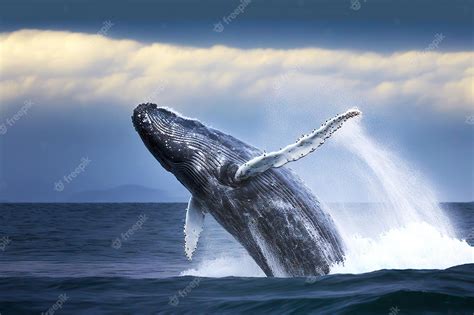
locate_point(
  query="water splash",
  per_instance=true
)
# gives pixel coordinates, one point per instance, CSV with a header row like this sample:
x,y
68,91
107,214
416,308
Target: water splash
x,y
226,266
415,246
406,228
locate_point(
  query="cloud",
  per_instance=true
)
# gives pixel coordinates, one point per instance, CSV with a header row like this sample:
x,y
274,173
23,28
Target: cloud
x,y
65,68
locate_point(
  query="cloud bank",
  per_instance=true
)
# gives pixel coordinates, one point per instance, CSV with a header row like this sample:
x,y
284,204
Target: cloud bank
x,y
72,69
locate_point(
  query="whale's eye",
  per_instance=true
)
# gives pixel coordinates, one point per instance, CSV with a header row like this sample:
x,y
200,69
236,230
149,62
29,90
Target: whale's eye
x,y
226,174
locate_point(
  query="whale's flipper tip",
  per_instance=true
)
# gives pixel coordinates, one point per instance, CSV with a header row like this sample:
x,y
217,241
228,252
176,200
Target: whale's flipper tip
x,y
304,146
355,111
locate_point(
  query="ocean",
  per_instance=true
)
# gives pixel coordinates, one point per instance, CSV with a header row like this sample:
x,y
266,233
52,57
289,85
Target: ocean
x,y
129,259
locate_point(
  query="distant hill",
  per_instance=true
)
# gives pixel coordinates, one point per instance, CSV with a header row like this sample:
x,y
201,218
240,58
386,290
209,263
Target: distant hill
x,y
126,193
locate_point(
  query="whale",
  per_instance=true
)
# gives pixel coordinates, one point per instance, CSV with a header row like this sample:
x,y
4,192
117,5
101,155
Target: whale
x,y
261,202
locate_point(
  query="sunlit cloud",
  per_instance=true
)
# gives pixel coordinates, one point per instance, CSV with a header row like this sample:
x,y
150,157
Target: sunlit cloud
x,y
70,69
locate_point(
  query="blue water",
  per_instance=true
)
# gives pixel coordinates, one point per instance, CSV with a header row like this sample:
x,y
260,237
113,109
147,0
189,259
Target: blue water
x,y
67,249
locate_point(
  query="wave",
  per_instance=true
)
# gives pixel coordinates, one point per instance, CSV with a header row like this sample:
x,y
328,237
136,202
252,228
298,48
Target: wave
x,y
381,292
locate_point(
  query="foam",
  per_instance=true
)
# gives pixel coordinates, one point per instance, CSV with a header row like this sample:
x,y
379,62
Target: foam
x,y
226,266
416,246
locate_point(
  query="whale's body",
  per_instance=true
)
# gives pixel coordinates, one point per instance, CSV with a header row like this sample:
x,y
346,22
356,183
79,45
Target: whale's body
x,y
273,214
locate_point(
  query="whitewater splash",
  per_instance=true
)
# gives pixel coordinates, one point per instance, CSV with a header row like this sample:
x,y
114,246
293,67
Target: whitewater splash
x,y
415,246
226,266
405,229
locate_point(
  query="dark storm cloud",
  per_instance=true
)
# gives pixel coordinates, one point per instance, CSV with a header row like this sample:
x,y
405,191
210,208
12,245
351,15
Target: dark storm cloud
x,y
336,24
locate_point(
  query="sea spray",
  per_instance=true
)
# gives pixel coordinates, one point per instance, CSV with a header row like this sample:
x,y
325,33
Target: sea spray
x,y
404,196
415,246
220,255
406,227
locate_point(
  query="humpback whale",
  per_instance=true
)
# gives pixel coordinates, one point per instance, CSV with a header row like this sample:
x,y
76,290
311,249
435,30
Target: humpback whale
x,y
264,205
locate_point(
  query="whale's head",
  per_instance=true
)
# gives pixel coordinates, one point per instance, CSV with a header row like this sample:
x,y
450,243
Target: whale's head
x,y
183,146
165,133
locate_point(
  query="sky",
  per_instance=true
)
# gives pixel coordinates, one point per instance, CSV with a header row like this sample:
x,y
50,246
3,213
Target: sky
x,y
266,72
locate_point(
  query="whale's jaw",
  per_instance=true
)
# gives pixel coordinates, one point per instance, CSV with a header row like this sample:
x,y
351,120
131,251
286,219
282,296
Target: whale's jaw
x,y
178,143
156,126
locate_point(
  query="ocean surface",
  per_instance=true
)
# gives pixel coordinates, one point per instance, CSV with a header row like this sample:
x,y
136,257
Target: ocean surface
x,y
129,259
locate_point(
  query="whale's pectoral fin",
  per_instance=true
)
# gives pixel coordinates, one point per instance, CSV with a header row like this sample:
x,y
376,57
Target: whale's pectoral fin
x,y
193,226
295,151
